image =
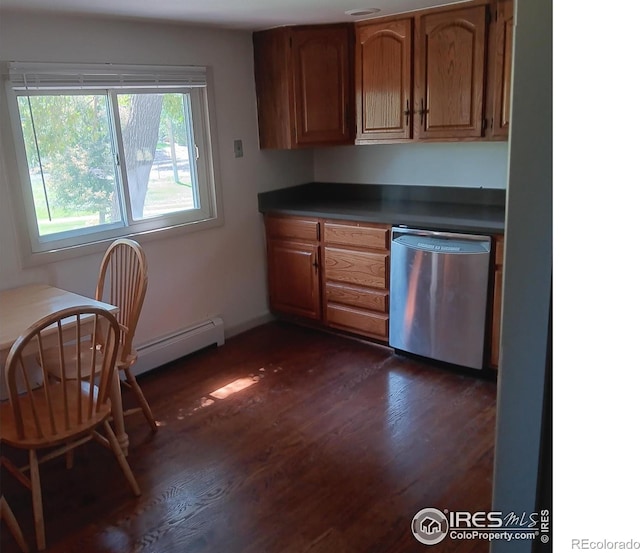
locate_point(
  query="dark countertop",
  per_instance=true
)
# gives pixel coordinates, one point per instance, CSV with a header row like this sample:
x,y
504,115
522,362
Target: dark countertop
x,y
476,210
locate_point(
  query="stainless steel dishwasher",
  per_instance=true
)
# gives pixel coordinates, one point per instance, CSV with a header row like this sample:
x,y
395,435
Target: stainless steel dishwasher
x,y
438,295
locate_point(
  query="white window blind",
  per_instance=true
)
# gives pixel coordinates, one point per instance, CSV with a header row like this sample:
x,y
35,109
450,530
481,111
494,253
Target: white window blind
x,y
64,76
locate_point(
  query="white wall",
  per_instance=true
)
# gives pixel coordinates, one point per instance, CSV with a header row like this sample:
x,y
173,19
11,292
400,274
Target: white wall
x,y
470,164
197,275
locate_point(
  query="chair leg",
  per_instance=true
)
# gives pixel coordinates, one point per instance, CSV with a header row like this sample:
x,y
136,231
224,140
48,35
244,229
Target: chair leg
x,y
36,497
122,460
144,405
7,514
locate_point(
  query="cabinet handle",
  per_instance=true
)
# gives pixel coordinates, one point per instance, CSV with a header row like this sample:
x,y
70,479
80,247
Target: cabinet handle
x,y
422,112
407,112
315,264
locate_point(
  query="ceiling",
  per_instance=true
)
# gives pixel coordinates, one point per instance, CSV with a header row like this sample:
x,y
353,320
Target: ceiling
x,y
233,14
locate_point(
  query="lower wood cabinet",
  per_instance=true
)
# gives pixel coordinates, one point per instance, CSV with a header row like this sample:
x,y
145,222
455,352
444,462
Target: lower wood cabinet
x,y
335,272
356,277
293,254
496,311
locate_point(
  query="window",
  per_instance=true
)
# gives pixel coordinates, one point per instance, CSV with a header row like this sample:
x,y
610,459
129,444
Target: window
x,y
107,151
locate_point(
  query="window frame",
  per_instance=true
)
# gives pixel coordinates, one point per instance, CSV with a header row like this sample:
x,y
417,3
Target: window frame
x,y
38,249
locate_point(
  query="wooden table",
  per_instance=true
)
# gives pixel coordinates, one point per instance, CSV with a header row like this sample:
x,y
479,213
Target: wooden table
x,y
23,306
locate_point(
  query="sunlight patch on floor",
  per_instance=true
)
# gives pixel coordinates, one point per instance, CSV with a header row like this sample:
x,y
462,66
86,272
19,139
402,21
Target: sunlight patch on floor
x,y
225,391
234,387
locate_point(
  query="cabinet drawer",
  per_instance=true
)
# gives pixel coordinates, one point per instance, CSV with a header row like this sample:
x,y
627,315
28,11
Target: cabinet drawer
x,y
356,236
375,325
356,297
359,268
285,227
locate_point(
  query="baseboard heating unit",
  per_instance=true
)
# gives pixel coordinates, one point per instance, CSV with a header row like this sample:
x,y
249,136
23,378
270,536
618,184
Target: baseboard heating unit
x,y
178,344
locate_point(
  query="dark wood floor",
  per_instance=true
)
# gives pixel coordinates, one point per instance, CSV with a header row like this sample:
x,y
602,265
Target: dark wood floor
x,y
333,448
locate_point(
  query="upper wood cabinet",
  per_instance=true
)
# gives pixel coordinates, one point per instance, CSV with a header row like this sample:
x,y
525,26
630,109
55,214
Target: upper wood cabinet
x,y
442,74
439,74
450,72
500,72
304,85
383,62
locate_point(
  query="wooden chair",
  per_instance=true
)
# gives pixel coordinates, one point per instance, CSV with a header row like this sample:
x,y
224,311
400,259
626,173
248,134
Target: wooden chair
x,y
6,514
122,281
66,413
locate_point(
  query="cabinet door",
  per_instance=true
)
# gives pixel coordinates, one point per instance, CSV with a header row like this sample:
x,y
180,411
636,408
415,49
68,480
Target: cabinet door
x,y
271,71
322,84
384,80
503,48
450,54
294,285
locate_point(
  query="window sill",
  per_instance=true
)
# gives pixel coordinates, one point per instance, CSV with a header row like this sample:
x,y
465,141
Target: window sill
x,y
31,259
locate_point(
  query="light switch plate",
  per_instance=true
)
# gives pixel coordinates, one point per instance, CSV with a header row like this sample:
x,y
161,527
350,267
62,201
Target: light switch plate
x,y
237,148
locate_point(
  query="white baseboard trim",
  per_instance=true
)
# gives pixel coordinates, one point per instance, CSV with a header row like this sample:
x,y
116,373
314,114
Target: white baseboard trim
x,y
178,344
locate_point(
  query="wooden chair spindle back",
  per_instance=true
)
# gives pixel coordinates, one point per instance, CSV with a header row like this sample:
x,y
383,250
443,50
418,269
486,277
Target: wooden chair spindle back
x,y
123,281
54,411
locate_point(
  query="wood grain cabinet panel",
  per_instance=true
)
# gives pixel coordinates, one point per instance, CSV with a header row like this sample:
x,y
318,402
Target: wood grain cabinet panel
x,y
356,277
374,325
332,272
322,84
356,236
293,265
500,76
450,70
356,267
294,285
293,227
442,74
496,313
304,85
374,300
383,80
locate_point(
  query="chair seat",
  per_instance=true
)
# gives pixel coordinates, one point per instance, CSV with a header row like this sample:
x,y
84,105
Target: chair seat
x,y
63,430
52,360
